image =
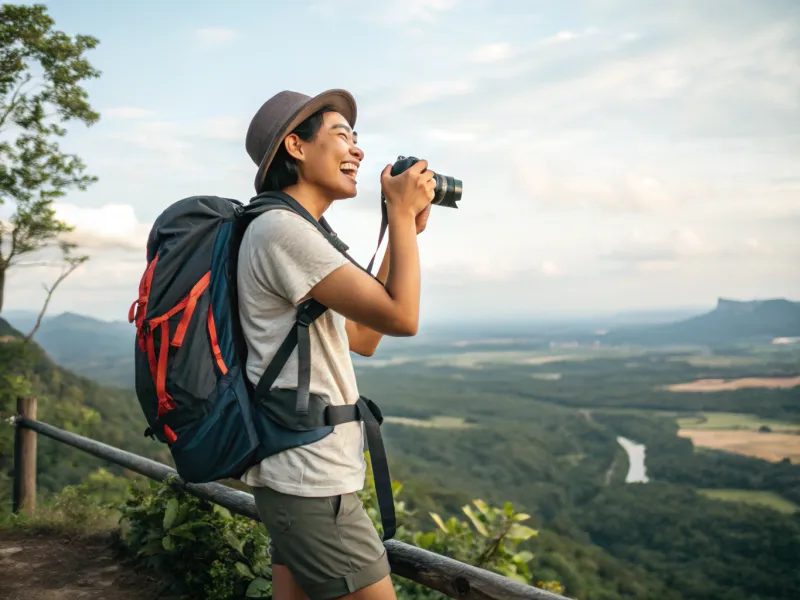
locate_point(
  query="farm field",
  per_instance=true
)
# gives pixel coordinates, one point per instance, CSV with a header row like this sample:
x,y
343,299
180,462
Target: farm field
x,y
722,385
723,420
772,447
758,498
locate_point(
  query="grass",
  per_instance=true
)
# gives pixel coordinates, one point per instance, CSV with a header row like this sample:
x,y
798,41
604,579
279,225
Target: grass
x,y
67,513
753,497
723,420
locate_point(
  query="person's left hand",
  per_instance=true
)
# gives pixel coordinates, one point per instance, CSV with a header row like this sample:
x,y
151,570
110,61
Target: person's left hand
x,y
422,218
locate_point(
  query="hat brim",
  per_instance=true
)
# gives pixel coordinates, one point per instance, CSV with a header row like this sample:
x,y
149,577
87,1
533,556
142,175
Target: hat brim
x,y
340,101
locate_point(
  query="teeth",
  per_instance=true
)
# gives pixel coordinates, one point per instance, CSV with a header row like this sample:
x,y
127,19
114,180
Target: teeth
x,y
348,166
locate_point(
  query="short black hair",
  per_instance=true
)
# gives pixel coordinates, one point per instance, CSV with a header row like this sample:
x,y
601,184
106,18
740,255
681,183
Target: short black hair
x,y
283,171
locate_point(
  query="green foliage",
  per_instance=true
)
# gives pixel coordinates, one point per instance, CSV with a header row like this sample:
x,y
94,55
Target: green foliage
x,y
85,508
178,535
41,75
206,551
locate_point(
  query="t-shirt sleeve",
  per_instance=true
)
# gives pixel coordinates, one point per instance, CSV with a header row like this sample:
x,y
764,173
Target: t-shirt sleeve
x,y
289,255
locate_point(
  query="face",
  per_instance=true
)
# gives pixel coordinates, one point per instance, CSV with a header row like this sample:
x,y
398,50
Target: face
x,y
331,160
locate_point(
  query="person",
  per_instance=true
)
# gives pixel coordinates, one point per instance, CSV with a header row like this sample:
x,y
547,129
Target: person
x,y
323,543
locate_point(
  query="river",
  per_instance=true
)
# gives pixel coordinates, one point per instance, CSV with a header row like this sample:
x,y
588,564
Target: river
x,y
637,472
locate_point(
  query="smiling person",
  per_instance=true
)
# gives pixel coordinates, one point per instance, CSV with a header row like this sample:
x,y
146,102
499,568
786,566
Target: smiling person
x,y
323,543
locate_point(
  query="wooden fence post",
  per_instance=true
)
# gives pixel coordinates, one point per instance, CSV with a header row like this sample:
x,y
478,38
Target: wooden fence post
x,y
24,498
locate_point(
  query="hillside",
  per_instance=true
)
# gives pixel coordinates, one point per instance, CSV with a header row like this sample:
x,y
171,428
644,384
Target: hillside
x,y
68,401
100,350
75,403
730,322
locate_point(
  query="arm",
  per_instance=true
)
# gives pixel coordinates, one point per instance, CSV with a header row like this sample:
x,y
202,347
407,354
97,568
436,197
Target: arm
x,y
363,340
393,308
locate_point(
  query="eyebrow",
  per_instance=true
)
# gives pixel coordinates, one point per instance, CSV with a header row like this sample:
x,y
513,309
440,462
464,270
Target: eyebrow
x,y
342,126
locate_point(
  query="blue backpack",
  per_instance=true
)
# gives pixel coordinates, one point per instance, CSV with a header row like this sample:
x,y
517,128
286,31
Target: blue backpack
x,y
190,353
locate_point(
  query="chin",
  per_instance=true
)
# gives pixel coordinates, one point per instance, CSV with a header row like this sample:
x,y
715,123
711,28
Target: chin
x,y
346,192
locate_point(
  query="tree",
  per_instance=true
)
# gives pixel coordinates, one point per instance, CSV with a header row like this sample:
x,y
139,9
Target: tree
x,y
41,71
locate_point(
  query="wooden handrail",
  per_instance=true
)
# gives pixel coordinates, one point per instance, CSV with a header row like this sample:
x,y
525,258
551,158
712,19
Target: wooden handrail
x,y
446,575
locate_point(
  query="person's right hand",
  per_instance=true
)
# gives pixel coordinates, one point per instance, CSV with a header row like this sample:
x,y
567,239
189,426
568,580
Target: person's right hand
x,y
412,190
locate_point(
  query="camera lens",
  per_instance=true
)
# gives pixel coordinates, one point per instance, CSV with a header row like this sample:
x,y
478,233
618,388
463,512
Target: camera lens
x,y
448,191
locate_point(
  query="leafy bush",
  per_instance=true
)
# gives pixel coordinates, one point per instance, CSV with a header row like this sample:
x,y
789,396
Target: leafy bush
x,y
208,552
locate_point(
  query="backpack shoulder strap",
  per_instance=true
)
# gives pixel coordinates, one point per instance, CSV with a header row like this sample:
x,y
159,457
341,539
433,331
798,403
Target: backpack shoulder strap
x,y
307,312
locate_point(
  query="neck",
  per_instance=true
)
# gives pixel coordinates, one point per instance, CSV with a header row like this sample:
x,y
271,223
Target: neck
x,y
310,198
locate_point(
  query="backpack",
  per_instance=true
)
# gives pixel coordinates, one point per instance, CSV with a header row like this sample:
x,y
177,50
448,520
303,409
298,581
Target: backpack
x,y
190,353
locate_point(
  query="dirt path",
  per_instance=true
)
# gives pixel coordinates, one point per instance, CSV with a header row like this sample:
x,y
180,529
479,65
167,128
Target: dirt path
x,y
49,567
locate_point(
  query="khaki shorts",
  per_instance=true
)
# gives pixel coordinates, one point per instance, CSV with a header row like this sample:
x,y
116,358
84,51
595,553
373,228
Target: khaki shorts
x,y
329,544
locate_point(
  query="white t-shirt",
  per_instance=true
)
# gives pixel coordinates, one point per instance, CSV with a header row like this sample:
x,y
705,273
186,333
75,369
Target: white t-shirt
x,y
282,256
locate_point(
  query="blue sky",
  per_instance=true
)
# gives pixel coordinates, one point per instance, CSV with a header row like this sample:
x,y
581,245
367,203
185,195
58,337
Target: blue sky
x,y
615,155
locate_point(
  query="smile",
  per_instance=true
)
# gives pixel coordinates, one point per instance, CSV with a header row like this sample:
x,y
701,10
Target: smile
x,y
350,169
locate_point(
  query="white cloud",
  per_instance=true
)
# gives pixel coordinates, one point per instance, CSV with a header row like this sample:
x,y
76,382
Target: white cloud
x,y
214,36
388,13
568,36
550,268
441,135
658,252
108,227
128,112
490,53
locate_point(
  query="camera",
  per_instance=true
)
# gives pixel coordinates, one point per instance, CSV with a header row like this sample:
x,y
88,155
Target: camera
x,y
448,189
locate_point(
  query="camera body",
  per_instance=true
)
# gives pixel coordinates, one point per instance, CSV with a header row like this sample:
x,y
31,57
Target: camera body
x,y
448,189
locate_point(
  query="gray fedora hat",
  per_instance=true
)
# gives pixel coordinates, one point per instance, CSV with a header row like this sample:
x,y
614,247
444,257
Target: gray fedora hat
x,y
280,115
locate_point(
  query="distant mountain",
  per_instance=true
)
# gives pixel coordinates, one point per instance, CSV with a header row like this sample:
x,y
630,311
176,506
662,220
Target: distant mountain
x,y
100,350
731,321
103,350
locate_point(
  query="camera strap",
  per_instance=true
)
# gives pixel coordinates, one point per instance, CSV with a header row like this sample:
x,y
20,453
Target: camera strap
x,y
384,226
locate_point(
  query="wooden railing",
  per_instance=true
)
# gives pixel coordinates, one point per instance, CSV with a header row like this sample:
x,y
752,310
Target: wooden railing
x,y
446,575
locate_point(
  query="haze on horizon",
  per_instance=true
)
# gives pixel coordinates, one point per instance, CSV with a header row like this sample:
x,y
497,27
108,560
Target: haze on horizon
x,y
615,156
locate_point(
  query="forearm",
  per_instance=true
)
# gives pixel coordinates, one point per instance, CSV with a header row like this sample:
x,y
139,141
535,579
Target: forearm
x,y
364,340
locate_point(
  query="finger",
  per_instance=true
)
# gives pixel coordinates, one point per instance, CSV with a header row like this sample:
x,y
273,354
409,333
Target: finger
x,y
427,175
419,166
386,172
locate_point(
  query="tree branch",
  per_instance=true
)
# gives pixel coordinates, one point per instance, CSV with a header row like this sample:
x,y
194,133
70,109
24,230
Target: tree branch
x,y
72,264
14,100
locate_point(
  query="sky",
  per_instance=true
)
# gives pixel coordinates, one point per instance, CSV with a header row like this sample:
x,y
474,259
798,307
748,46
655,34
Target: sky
x,y
615,156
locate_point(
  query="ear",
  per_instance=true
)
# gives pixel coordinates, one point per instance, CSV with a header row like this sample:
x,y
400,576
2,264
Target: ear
x,y
294,146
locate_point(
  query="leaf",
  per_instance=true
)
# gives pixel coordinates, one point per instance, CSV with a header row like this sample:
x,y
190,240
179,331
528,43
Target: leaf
x,y
482,506
438,520
170,513
234,542
523,557
168,543
516,577
475,521
183,512
185,530
243,570
425,540
520,517
259,588
223,512
519,532
151,548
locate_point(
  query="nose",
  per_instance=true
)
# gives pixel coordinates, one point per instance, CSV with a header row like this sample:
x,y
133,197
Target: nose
x,y
357,152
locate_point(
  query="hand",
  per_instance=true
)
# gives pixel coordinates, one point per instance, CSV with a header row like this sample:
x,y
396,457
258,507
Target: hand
x,y
422,219
411,191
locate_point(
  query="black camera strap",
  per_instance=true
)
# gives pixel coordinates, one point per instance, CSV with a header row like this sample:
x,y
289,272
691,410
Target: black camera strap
x,y
384,226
